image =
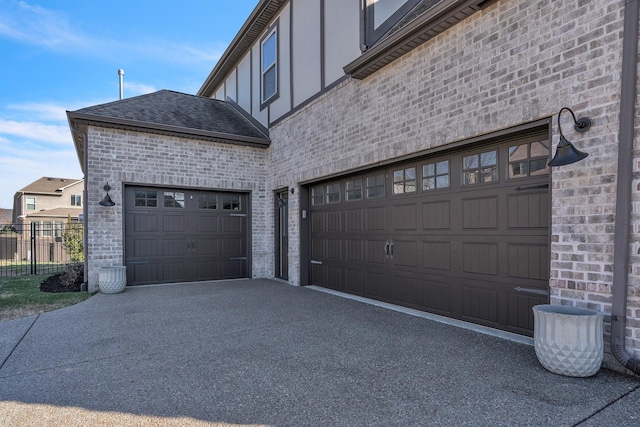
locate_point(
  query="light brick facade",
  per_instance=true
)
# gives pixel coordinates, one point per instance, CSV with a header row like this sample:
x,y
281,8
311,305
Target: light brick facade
x,y
133,158
516,62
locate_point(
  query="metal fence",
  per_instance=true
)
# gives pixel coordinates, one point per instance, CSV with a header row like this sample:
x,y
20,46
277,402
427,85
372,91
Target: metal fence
x,y
37,248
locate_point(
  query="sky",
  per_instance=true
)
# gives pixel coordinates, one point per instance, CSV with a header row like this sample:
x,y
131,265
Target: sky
x,y
63,55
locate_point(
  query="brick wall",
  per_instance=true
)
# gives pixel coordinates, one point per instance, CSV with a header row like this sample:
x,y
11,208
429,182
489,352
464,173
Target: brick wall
x,y
121,157
516,62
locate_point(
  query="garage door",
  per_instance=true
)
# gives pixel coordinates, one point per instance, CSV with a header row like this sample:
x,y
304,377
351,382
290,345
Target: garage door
x,y
178,235
464,235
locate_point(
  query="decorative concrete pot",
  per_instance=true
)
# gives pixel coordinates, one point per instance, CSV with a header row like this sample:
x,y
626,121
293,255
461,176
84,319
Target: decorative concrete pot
x,y
112,280
568,340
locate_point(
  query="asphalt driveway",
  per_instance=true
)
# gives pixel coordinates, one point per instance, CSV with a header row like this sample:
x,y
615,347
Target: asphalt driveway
x,y
259,352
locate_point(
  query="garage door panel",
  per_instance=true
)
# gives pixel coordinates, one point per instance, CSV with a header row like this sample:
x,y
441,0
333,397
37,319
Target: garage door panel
x,y
145,247
233,224
405,253
207,247
405,217
480,305
376,251
436,215
355,250
436,255
208,270
528,211
354,281
376,220
528,261
144,223
436,296
480,258
355,220
173,224
174,247
318,222
521,311
232,247
232,269
184,238
207,223
474,249
404,290
174,272
480,213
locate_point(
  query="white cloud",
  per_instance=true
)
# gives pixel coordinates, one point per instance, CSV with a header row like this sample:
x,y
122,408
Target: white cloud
x,y
135,88
57,134
39,26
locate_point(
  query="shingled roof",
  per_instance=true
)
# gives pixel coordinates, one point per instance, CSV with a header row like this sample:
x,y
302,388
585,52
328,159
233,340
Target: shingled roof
x,y
49,185
167,110
172,113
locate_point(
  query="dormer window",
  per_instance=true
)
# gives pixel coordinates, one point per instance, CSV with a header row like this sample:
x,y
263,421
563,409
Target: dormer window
x,y
269,65
381,15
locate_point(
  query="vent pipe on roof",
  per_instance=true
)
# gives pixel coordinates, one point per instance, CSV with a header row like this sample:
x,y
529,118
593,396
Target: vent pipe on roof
x,y
121,74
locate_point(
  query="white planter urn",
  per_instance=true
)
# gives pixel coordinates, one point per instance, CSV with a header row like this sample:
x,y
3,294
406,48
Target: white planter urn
x,y
112,280
568,340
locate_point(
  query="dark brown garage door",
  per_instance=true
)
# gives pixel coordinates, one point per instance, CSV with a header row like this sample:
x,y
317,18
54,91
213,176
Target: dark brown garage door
x,y
178,235
464,235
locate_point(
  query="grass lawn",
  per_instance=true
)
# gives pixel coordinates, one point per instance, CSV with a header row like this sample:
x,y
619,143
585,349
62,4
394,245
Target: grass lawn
x,y
21,296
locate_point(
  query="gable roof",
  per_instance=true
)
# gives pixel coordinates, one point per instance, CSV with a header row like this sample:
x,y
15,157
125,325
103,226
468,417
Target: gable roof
x,y
172,113
49,185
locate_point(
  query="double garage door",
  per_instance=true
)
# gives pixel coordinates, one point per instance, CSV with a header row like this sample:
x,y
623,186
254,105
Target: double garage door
x,y
464,234
178,235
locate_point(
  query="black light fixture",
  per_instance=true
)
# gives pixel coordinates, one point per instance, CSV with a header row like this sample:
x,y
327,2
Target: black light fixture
x,y
566,153
107,199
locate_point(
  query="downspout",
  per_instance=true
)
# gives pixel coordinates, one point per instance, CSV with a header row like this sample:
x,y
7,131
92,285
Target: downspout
x,y
624,189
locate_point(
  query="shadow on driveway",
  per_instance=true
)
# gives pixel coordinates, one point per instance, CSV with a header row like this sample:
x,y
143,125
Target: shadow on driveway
x,y
259,352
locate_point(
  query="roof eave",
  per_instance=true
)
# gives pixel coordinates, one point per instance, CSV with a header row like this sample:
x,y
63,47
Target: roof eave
x,y
436,20
90,119
251,30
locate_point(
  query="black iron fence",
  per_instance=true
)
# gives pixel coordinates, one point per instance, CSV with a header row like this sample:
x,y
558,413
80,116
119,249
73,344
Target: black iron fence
x,y
39,247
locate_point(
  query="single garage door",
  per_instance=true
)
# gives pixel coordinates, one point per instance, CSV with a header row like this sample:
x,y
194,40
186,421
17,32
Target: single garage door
x,y
178,235
463,234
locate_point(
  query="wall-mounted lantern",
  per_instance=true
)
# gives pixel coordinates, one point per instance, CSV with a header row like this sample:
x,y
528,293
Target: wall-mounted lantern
x,y
566,153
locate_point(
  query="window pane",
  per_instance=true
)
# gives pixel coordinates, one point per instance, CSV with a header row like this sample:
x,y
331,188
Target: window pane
x,y
428,170
354,190
231,202
398,176
383,9
488,159
31,203
269,83
538,167
442,167
442,181
470,177
470,162
375,186
428,183
540,149
333,193
173,199
410,174
207,201
518,169
317,196
269,52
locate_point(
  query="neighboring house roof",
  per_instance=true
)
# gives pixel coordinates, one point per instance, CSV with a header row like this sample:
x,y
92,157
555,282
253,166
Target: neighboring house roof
x,y
49,185
57,213
172,113
426,20
6,216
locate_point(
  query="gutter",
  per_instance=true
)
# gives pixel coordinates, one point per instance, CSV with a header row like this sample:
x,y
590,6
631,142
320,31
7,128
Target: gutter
x,y
622,238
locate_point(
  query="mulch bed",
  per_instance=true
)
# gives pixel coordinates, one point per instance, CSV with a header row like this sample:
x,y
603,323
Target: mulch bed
x,y
69,281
